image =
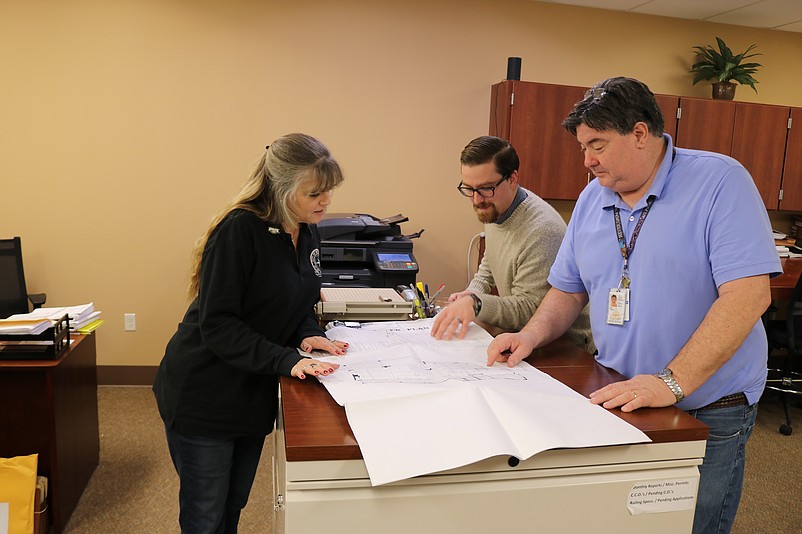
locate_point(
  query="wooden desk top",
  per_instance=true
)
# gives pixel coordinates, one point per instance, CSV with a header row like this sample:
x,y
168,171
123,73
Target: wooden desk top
x,y
38,363
782,287
316,428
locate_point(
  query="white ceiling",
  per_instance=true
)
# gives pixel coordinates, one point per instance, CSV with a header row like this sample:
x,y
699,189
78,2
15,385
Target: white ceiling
x,y
783,15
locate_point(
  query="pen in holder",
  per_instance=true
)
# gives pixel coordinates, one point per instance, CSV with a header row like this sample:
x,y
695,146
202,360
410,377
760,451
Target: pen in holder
x,y
423,307
411,295
406,292
437,305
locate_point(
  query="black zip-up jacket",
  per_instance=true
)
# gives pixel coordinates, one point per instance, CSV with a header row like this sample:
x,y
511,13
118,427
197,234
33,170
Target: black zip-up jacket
x,y
219,374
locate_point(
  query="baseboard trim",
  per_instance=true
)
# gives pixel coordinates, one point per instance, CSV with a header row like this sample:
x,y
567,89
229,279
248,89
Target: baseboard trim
x,y
126,375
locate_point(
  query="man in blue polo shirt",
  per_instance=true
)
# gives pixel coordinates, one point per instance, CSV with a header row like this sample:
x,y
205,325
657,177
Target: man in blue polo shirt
x,y
682,240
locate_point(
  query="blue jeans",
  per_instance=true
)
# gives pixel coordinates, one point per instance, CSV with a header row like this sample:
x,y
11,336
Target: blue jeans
x,y
216,477
722,473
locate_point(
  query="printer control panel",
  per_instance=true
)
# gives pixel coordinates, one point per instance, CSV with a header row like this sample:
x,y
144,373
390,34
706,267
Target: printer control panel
x,y
395,262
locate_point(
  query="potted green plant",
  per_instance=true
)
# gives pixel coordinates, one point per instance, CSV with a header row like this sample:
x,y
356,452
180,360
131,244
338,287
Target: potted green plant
x,y
725,68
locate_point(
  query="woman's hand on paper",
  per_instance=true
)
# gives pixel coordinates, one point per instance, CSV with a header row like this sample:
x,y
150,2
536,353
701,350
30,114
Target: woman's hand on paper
x,y
312,367
325,344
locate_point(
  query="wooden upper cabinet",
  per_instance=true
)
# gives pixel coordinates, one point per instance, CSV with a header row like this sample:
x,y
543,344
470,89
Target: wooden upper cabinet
x,y
758,143
669,105
530,116
753,134
792,173
705,125
500,109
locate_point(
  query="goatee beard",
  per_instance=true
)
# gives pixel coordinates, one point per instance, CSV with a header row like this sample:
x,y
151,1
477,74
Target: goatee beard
x,y
487,215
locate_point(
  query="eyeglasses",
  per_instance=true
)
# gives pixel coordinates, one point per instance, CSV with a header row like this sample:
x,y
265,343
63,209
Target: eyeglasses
x,y
596,92
485,192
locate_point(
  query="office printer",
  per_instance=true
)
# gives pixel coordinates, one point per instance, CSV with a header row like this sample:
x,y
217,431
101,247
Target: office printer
x,y
359,250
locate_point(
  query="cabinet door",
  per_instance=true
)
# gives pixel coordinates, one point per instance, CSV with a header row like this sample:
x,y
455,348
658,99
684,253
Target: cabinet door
x,y
758,142
792,173
706,125
668,105
500,110
551,162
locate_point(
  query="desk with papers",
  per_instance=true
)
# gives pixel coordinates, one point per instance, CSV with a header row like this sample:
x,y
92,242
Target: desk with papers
x,y
49,407
782,286
322,482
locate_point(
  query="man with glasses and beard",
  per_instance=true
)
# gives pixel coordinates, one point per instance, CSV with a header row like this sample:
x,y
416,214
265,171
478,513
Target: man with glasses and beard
x,y
522,236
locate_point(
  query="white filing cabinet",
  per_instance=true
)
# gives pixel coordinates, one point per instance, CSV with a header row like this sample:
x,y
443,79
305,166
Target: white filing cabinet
x,y
560,491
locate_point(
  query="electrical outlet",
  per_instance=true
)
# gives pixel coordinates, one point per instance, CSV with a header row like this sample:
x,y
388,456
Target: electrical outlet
x,y
130,322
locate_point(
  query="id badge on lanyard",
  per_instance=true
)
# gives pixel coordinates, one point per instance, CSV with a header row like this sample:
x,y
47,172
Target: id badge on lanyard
x,y
617,306
618,297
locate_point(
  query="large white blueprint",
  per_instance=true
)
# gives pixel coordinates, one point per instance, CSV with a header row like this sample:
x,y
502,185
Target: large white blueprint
x,y
417,405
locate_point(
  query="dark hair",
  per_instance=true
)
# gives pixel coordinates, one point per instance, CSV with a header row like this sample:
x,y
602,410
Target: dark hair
x,y
487,148
617,104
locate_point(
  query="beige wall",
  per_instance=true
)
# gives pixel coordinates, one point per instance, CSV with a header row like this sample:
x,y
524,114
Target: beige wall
x,y
125,125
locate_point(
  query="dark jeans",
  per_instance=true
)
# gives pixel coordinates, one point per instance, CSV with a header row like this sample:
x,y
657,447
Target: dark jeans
x,y
216,477
722,473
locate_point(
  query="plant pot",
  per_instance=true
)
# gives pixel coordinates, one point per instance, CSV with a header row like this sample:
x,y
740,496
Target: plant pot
x,y
724,90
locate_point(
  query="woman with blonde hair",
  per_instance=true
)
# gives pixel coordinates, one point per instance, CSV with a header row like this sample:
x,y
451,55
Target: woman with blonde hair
x,y
254,281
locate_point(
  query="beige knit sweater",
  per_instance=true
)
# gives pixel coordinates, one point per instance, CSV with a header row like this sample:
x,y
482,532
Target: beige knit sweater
x,y
518,255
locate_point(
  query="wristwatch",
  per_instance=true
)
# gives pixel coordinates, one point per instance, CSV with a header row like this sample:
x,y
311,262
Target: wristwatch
x,y
668,377
477,305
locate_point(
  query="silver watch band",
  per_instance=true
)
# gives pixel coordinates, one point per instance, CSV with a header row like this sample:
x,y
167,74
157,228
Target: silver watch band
x,y
668,377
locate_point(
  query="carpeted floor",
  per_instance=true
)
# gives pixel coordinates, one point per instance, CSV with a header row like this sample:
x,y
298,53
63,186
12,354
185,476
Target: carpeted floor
x,y
135,489
772,497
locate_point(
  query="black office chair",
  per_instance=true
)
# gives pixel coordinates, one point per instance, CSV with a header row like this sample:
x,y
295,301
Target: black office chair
x,y
14,296
787,335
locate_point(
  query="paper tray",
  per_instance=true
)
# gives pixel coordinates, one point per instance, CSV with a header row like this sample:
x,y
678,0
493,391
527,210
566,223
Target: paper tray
x,y
45,346
363,304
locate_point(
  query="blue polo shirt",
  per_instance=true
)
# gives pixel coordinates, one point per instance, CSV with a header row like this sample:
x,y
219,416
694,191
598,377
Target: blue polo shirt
x,y
707,226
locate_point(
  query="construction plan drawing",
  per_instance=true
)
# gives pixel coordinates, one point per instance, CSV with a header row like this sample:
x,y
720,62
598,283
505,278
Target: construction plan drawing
x,y
412,370
413,402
